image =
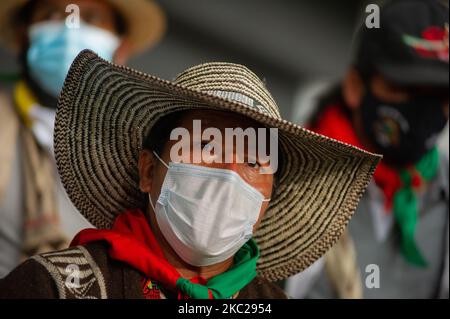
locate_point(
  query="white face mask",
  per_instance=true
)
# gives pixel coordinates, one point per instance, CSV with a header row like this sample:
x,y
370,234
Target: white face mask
x,y
206,214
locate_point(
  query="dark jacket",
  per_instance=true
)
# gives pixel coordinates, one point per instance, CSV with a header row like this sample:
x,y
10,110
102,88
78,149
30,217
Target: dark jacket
x,y
55,275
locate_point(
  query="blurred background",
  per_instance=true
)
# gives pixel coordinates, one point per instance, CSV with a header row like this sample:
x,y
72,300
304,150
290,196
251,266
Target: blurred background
x,y
293,45
299,47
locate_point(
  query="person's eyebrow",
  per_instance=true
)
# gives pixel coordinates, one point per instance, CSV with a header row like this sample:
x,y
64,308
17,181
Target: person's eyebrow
x,y
53,6
47,7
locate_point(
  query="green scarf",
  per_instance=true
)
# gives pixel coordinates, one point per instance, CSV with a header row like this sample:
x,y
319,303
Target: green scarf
x,y
405,205
225,285
131,241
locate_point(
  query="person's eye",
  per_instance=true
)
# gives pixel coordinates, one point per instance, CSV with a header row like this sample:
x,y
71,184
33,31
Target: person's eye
x,y
94,19
253,164
205,145
48,14
56,15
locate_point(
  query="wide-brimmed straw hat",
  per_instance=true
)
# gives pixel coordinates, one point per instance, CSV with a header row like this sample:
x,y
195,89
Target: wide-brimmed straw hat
x,y
105,111
145,22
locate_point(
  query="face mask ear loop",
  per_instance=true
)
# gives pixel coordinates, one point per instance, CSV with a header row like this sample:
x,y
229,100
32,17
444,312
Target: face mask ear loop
x,y
149,197
167,166
151,203
160,159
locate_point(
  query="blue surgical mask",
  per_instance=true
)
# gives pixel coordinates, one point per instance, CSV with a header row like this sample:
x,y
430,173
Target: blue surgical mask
x,y
54,46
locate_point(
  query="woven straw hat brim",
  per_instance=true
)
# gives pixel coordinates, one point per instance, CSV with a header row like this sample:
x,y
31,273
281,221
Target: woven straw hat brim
x,y
105,111
145,20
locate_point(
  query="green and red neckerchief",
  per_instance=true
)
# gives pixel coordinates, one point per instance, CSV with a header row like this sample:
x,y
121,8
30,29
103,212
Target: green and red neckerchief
x,y
132,241
151,289
399,187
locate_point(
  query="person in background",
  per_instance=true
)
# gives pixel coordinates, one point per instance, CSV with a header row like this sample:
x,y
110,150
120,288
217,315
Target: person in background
x,y
393,100
46,35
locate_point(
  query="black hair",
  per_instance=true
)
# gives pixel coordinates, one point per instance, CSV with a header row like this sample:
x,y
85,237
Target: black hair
x,y
159,135
121,24
331,97
24,15
334,95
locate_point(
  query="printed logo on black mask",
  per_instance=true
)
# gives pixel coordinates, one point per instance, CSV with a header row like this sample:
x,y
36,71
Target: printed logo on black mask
x,y
402,132
390,126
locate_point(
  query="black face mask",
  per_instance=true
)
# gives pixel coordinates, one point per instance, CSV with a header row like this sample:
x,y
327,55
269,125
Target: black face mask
x,y
403,132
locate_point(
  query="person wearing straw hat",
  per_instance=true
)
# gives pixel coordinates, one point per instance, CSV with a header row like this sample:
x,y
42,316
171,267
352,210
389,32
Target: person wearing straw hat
x,y
180,228
46,36
394,99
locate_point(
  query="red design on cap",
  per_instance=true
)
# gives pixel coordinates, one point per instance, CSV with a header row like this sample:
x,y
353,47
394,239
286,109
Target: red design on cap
x,y
432,44
416,181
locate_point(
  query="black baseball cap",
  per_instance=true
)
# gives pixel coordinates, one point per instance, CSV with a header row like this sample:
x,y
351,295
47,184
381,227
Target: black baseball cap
x,y
410,47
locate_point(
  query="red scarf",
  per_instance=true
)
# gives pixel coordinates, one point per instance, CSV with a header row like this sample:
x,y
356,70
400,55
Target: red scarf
x,y
335,123
132,241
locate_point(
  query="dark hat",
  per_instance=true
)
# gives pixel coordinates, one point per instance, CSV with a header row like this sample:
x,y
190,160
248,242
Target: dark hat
x,y
410,47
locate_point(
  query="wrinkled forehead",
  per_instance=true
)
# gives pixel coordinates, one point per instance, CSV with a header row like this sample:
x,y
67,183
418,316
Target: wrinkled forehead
x,y
217,119
223,137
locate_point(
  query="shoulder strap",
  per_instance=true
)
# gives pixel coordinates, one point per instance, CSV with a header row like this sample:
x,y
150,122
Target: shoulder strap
x,y
75,273
442,290
443,283
9,125
342,268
